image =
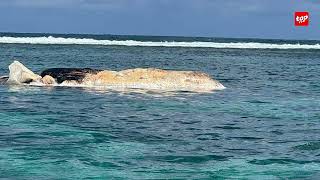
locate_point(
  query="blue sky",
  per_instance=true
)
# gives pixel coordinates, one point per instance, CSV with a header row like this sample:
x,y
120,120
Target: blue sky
x,y
213,18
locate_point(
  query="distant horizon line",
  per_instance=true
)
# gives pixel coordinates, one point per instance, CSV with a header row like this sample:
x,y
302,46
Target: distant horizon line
x,y
144,35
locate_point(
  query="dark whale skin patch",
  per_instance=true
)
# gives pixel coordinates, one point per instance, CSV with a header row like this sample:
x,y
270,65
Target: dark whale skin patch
x,y
63,74
3,80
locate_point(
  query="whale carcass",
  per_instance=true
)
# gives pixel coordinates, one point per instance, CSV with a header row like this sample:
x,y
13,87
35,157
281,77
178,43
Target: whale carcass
x,y
139,78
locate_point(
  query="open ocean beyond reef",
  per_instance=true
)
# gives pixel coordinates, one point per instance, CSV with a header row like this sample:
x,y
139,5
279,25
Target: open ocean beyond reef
x,y
265,125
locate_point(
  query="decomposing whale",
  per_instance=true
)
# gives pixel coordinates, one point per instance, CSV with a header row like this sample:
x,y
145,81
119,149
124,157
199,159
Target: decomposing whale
x,y
139,78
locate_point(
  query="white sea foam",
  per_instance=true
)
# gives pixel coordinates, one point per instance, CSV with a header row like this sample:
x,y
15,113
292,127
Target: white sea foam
x,y
78,41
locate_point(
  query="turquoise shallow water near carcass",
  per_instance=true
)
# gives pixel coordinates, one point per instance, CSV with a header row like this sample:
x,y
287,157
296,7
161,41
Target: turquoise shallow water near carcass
x,y
265,125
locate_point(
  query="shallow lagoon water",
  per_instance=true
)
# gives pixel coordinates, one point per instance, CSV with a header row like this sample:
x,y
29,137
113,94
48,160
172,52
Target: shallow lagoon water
x,y
265,125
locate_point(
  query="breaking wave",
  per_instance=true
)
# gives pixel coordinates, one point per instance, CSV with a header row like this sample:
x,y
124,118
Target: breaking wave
x,y
85,41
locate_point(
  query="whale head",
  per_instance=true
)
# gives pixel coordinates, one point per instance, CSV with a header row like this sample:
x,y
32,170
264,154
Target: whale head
x,y
20,74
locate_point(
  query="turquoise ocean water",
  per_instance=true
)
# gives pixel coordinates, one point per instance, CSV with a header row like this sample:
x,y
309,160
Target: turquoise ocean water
x,y
265,125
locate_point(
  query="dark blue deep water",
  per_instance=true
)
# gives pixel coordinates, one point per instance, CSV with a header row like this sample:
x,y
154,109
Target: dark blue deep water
x,y
265,125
